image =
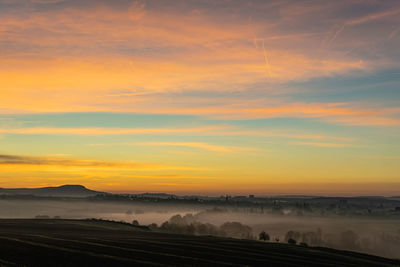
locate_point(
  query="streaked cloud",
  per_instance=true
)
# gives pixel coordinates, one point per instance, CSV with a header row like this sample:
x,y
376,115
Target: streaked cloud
x,y
17,160
65,162
339,113
110,131
323,144
216,130
201,145
364,19
351,113
187,48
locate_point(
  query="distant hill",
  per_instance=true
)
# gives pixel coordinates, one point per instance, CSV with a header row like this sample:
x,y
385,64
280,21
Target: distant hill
x,y
60,191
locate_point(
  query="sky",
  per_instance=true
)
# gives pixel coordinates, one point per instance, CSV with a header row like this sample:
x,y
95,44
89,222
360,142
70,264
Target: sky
x,y
201,97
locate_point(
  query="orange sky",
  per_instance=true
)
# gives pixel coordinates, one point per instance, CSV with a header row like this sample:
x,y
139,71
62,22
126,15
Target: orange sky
x,y
207,97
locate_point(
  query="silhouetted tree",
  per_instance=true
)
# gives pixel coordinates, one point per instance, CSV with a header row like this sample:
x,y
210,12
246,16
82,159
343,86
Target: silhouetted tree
x,y
190,229
292,235
135,223
153,226
292,241
263,236
177,219
207,229
303,244
236,229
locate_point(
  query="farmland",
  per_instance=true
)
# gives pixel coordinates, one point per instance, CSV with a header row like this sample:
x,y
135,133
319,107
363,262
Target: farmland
x,y
51,242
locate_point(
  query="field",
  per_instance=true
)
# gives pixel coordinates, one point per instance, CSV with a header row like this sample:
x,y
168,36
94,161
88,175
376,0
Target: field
x,y
29,242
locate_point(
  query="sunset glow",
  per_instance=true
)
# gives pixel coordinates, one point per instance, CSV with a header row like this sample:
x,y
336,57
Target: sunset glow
x,y
227,97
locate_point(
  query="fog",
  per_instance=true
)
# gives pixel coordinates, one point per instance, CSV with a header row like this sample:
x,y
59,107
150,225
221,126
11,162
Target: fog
x,y
76,209
367,234
370,235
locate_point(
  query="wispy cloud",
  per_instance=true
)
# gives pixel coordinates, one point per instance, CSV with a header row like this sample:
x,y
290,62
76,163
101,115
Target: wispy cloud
x,y
185,52
66,162
339,113
364,19
290,135
201,145
378,157
217,130
394,33
374,16
166,51
320,144
17,160
111,131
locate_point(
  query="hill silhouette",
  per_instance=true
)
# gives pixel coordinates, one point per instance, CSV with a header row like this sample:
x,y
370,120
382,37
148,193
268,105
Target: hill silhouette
x,y
59,191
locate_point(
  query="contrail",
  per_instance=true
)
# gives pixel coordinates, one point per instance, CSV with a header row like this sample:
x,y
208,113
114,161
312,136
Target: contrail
x,y
336,35
393,34
255,42
364,19
266,60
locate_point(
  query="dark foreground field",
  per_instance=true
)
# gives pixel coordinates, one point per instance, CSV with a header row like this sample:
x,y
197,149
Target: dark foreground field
x,y
97,243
